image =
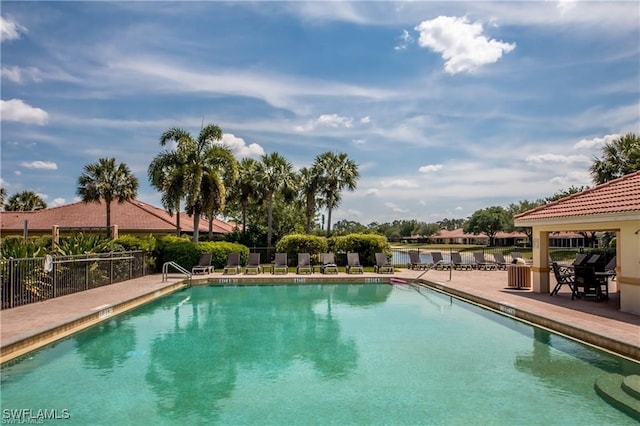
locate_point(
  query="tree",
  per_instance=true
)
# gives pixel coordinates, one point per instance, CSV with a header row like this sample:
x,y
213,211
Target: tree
x,y
336,172
275,174
309,181
565,193
166,173
245,188
3,197
107,181
25,201
207,167
521,207
619,157
488,221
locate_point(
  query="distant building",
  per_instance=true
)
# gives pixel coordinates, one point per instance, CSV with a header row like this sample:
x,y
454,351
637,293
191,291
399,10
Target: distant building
x,y
131,218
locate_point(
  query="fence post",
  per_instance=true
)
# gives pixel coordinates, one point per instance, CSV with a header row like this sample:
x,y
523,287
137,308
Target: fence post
x,y
11,278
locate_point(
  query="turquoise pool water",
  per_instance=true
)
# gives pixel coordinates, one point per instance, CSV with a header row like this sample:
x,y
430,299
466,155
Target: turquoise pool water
x,y
314,354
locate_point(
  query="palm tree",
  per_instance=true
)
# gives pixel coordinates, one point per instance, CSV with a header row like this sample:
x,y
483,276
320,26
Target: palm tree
x,y
275,174
336,172
309,187
620,157
246,188
167,175
25,201
3,196
107,181
207,166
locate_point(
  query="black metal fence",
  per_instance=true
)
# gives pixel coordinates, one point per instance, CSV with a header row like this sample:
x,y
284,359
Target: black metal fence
x,y
36,279
400,256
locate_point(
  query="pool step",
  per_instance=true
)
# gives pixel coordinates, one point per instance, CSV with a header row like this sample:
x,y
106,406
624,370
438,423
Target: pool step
x,y
621,392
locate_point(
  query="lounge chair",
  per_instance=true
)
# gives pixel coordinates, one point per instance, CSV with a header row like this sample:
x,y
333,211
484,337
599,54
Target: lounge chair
x,y
415,262
353,264
382,264
501,262
280,264
438,261
253,264
610,268
457,263
480,262
564,276
328,263
233,264
204,265
304,263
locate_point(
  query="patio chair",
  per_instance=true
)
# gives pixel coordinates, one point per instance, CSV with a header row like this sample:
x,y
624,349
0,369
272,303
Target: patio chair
x,y
382,264
501,262
588,284
438,261
564,276
415,262
204,264
253,264
353,263
304,263
280,264
480,262
233,264
328,263
580,259
610,268
457,263
515,255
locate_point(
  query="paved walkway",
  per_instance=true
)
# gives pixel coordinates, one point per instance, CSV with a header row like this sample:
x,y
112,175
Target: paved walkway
x,y
601,324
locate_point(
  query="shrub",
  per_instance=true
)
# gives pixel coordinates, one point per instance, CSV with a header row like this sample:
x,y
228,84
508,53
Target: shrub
x,y
293,244
367,245
187,254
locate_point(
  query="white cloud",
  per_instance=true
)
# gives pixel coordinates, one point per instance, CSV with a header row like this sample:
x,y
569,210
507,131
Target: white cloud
x,y
575,178
395,208
372,192
399,183
365,120
555,158
405,40
359,141
46,165
334,120
595,142
21,75
461,43
9,29
57,202
240,148
430,168
565,6
459,208
17,110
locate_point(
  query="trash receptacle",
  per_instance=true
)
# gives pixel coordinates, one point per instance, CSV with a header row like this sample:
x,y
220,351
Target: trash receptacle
x,y
519,276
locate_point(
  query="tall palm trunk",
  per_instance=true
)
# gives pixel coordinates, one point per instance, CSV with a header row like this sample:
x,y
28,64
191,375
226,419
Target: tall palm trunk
x,y
269,220
196,226
108,203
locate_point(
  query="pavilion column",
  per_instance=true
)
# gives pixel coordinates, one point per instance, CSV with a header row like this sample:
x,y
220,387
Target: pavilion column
x,y
540,267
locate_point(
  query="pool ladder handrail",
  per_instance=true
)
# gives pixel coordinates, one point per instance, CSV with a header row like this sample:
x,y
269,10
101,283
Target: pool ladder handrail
x,y
165,270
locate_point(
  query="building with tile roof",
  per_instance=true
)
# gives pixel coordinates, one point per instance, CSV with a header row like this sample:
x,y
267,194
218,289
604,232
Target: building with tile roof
x,y
131,217
613,206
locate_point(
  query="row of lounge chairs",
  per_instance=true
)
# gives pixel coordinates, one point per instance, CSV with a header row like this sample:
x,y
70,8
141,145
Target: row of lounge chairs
x,y
456,262
281,266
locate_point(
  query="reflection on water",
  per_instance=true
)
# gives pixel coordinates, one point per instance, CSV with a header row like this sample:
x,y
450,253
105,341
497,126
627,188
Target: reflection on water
x,y
265,329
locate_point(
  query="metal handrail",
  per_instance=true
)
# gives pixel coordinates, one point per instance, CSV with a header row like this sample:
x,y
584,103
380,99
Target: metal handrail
x,y
165,270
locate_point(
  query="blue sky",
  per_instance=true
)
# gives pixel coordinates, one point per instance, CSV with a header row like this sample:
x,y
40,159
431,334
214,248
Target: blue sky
x,y
446,107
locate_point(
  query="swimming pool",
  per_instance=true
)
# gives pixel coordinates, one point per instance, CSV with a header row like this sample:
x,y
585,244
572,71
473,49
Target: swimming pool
x,y
314,354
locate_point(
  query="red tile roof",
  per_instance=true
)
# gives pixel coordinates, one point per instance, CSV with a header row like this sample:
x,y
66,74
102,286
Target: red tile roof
x,y
621,195
131,217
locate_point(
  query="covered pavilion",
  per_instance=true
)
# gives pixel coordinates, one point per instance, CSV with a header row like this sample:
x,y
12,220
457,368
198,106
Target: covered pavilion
x,y
612,207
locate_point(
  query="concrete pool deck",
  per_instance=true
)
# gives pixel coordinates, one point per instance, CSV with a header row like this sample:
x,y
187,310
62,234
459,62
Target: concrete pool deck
x,y
601,324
